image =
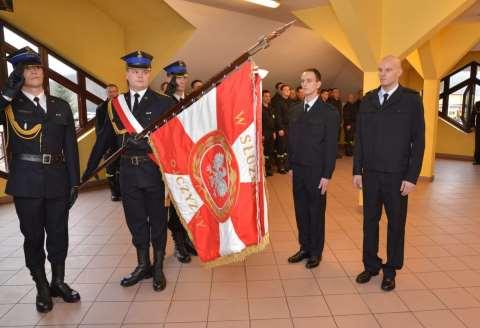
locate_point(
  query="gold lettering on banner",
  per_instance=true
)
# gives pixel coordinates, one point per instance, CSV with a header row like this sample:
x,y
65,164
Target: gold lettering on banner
x,y
248,149
240,119
187,193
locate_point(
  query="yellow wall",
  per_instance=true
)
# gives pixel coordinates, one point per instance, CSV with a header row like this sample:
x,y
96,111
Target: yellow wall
x,y
452,141
410,78
76,30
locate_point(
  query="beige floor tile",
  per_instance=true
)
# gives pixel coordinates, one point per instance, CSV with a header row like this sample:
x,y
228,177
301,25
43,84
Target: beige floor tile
x,y
356,321
467,278
116,292
185,325
235,273
195,275
228,324
341,285
185,291
346,304
455,298
188,311
451,263
295,271
329,270
268,308
324,322
145,292
21,315
263,258
470,317
106,313
147,312
265,272
308,306
228,290
264,288
271,323
420,300
94,276
230,309
12,294
66,314
398,320
384,302
436,280
301,287
438,319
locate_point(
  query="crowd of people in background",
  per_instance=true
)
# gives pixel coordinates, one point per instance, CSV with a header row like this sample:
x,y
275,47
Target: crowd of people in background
x,y
279,109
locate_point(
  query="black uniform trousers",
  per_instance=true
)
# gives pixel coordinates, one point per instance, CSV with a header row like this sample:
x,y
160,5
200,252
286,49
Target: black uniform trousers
x,y
40,215
383,189
143,197
310,207
268,144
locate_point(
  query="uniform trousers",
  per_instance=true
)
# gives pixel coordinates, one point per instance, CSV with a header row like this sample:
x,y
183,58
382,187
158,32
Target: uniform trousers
x,y
38,216
383,189
310,207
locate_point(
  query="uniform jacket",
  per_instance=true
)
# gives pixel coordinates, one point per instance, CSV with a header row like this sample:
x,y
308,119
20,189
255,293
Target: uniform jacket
x,y
312,138
57,136
390,138
151,106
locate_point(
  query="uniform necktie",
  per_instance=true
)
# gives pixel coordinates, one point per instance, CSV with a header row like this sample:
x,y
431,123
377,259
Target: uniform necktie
x,y
307,106
37,104
385,97
135,103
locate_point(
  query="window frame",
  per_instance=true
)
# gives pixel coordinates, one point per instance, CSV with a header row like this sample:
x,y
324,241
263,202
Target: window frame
x,y
468,98
79,88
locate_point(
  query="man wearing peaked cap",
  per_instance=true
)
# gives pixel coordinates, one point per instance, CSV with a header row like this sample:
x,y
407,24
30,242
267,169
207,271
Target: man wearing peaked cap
x,y
177,75
44,172
141,182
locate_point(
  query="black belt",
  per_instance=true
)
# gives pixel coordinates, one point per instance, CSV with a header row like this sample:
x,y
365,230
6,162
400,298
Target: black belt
x,y
135,160
46,159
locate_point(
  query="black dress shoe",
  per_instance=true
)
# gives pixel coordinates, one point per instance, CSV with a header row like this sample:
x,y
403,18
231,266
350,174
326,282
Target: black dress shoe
x,y
159,280
365,277
116,198
43,300
142,271
388,284
476,163
298,256
313,262
63,290
59,288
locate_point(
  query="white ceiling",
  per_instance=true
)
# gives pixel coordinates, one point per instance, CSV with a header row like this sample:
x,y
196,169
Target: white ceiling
x,y
225,29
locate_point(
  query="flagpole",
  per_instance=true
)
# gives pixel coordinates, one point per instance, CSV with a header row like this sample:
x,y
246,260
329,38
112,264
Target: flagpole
x,y
261,44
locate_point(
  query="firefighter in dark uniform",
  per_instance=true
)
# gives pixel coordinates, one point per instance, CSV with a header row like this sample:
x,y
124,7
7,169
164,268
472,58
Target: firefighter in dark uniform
x,y
268,131
476,124
281,110
112,170
184,248
141,183
44,172
389,147
349,115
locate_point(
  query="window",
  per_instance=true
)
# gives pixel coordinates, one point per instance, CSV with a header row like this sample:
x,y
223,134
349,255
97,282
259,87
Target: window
x,y
459,92
63,79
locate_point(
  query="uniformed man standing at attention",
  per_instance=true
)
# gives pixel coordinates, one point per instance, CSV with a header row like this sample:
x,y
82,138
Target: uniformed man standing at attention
x,y
177,76
112,170
44,172
389,146
143,191
268,131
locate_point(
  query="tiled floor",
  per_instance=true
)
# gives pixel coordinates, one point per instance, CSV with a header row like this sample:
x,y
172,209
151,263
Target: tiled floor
x,y
439,286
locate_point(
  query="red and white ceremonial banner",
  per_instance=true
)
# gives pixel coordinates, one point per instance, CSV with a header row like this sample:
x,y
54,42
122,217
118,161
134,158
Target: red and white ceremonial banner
x,y
210,156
